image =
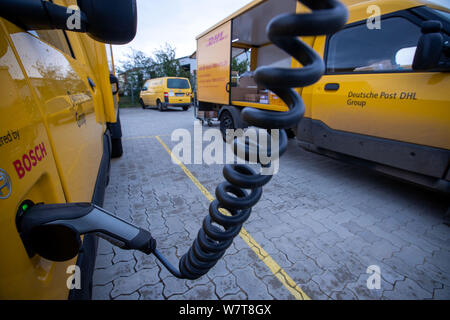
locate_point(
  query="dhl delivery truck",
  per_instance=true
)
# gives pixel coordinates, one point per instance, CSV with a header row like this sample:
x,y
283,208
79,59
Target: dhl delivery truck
x,y
383,101
59,127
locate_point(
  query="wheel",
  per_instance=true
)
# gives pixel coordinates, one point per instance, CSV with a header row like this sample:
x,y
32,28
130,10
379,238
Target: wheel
x,y
210,123
160,106
226,122
185,108
290,133
142,104
117,149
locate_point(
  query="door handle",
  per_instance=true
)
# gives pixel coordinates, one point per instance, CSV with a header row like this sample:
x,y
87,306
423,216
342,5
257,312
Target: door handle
x,y
332,87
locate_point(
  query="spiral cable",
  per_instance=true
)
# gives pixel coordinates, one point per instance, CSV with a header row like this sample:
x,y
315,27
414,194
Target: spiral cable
x,y
326,17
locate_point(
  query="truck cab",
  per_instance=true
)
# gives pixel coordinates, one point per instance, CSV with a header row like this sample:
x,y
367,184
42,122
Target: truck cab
x,y
376,105
382,101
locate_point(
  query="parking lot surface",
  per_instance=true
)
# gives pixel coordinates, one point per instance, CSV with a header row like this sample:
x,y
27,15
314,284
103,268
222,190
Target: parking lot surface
x,y
322,230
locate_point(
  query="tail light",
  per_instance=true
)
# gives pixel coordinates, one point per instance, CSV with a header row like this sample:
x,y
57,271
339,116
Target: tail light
x,y
166,95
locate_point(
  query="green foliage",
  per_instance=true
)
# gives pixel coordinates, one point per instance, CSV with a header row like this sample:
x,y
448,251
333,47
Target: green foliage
x,y
135,68
139,67
240,67
166,65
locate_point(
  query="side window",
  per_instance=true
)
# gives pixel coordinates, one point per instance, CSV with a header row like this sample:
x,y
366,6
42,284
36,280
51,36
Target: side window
x,y
360,49
56,38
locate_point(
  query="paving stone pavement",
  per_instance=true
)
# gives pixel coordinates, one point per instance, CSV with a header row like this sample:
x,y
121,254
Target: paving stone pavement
x,y
323,221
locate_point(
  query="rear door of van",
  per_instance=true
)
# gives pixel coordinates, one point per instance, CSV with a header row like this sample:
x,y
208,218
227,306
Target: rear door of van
x,y
179,90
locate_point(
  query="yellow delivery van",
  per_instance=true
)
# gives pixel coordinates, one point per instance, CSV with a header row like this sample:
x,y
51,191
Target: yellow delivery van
x,y
59,127
383,101
166,92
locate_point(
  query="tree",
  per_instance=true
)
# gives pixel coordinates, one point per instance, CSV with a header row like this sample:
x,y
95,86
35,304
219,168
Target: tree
x,y
240,67
138,67
166,65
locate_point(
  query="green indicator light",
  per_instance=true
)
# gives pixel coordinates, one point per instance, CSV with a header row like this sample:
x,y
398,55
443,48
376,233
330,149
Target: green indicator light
x,y
25,207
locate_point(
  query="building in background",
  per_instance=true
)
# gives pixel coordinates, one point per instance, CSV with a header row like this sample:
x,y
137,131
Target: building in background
x,y
189,63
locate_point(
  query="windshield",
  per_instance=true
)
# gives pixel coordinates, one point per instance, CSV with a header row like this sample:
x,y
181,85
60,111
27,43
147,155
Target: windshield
x,y
177,84
443,14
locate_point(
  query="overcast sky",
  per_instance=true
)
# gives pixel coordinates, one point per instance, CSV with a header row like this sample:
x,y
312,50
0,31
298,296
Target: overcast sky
x,y
177,22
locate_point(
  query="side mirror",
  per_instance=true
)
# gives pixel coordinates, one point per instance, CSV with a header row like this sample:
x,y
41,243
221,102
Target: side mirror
x,y
109,21
432,49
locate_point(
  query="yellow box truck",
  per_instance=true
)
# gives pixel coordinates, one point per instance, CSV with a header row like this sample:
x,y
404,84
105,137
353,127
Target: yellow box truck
x,y
240,36
383,101
59,127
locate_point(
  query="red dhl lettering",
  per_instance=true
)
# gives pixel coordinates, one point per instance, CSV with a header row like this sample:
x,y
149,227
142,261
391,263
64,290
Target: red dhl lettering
x,y
30,160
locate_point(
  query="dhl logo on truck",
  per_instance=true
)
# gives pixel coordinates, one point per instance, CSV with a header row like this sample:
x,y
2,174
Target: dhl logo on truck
x,y
216,38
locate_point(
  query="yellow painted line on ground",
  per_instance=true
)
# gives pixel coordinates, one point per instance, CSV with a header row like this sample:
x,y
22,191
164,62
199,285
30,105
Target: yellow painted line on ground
x,y
145,137
278,272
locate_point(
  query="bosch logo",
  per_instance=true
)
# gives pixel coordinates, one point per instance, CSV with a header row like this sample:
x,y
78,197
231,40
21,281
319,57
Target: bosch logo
x,y
5,185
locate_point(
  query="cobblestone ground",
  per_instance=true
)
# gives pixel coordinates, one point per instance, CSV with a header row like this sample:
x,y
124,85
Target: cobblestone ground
x,y
323,222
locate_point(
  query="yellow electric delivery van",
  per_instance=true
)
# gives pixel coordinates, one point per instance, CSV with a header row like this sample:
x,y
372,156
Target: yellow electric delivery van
x,y
383,101
166,92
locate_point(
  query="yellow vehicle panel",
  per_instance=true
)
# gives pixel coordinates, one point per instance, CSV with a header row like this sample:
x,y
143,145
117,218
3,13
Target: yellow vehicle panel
x,y
417,105
68,108
213,60
28,161
358,10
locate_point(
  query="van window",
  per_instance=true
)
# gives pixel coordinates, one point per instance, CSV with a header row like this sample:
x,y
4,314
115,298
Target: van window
x,y
177,84
444,15
360,49
56,38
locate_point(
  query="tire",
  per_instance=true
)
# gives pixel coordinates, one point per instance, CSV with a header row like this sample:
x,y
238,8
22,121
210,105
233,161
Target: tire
x,y
160,106
185,108
117,150
226,122
290,133
142,104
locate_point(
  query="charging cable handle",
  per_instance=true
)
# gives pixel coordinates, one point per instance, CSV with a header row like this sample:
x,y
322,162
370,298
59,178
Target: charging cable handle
x,y
54,230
